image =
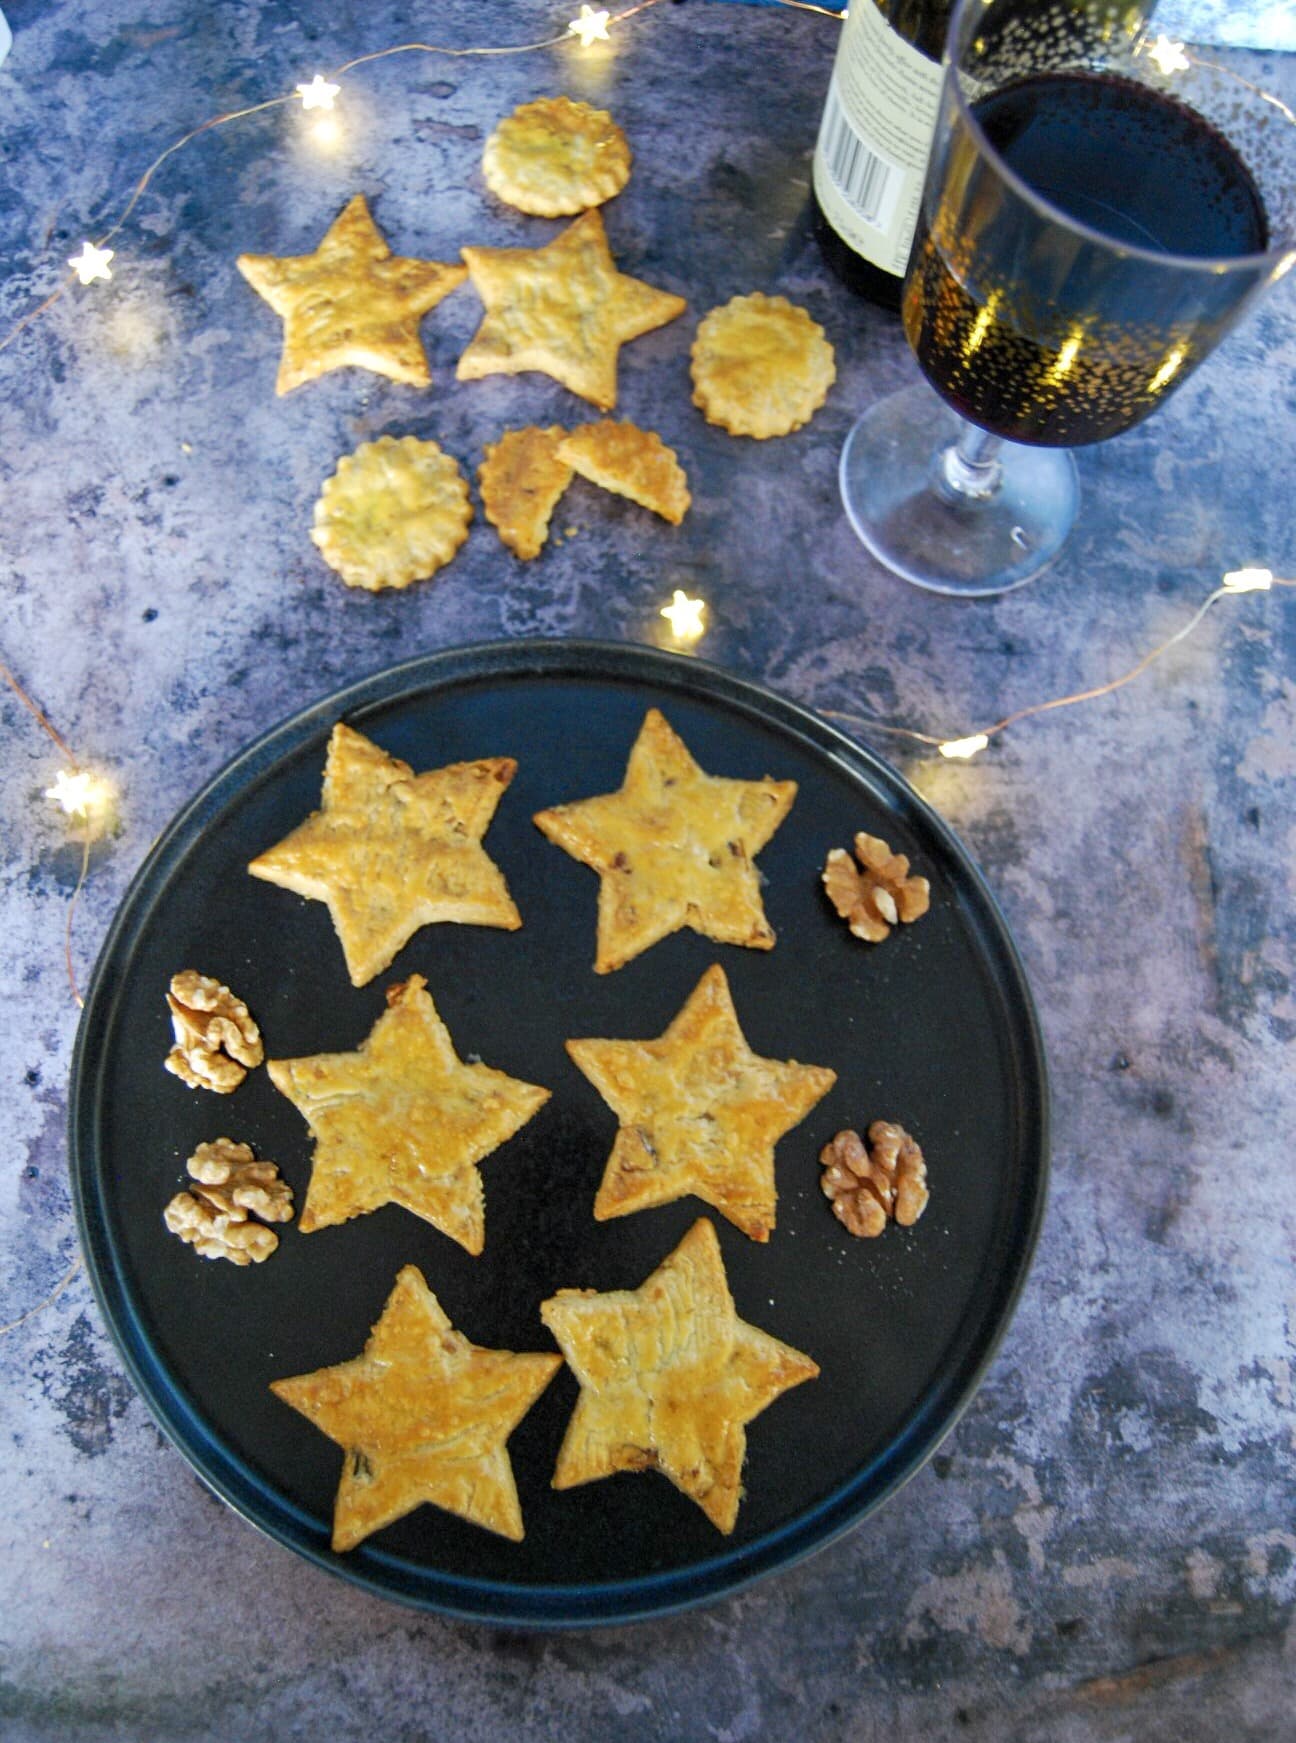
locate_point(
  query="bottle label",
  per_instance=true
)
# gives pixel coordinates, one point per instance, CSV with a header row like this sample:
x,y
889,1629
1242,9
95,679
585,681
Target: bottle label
x,y
874,142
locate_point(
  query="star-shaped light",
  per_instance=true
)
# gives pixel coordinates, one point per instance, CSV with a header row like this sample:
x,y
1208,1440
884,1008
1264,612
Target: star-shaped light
x,y
352,303
319,94
88,799
1168,55
699,1112
963,749
685,616
1248,581
422,1416
390,851
590,27
403,1120
670,1377
91,263
563,309
673,847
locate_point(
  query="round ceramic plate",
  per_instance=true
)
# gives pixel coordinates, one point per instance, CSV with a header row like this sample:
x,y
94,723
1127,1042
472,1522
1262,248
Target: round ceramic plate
x,y
934,1028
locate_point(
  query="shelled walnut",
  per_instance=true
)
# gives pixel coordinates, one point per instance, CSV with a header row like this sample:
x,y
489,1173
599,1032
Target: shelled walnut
x,y
868,1187
216,1040
216,1236
231,1178
877,894
218,1216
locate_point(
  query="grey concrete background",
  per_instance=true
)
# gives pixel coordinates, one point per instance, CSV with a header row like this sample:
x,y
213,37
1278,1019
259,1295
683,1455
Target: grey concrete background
x,y
1105,1548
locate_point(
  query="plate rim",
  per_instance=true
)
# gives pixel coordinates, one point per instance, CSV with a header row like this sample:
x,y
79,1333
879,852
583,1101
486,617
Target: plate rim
x,y
224,1473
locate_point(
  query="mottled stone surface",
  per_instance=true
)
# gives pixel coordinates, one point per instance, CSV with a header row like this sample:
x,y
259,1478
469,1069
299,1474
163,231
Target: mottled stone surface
x,y
1105,1547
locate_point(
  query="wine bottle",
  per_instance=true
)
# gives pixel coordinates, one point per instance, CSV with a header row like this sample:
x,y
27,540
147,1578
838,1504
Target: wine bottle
x,y
875,138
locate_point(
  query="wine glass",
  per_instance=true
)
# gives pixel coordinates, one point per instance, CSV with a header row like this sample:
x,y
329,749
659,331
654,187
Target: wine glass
x,y
1100,208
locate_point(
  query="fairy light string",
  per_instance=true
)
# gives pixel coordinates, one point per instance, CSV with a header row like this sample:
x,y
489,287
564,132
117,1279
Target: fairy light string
x,y
47,1301
87,799
963,749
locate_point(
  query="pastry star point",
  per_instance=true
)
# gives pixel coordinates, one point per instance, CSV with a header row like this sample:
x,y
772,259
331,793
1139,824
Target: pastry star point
x,y
673,847
422,1416
699,1112
403,1120
563,309
390,851
670,1377
352,303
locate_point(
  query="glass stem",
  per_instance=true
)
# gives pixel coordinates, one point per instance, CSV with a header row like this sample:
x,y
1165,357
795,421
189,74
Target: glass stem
x,y
969,470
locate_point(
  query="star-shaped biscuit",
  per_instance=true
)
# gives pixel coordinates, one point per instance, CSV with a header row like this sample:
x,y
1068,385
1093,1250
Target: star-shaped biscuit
x,y
673,847
699,1112
403,1121
563,309
422,1415
352,303
670,1377
390,851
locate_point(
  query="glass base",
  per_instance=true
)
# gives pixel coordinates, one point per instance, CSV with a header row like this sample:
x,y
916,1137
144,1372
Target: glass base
x,y
895,488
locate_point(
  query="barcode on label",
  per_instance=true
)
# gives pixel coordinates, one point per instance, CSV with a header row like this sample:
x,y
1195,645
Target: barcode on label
x,y
867,180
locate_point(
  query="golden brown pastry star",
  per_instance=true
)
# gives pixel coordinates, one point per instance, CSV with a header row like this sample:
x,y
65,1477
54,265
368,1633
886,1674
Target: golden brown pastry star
x,y
422,1415
390,851
563,309
699,1112
353,303
670,1377
403,1121
673,847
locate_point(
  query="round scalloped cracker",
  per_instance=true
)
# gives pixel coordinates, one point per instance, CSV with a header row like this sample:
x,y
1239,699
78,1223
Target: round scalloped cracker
x,y
555,157
521,479
395,511
761,367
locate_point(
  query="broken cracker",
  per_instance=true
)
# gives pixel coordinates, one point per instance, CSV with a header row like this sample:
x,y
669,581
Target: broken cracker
x,y
403,1120
521,480
352,303
761,366
563,310
390,851
555,157
669,1377
395,511
699,1112
422,1415
673,847
632,462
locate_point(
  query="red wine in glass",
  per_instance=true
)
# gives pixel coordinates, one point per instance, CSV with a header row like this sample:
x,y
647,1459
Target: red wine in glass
x,y
1036,350
1100,207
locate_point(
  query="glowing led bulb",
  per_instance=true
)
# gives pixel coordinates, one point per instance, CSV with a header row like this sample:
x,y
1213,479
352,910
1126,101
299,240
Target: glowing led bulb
x,y
590,27
319,94
685,616
962,749
91,263
88,799
1248,581
1169,56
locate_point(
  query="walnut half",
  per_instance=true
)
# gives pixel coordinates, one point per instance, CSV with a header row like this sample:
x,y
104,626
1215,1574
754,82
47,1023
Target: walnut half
x,y
877,894
231,1190
217,1236
216,1040
869,1187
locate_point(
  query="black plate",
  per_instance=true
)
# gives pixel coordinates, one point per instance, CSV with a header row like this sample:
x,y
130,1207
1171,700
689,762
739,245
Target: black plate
x,y
935,1029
